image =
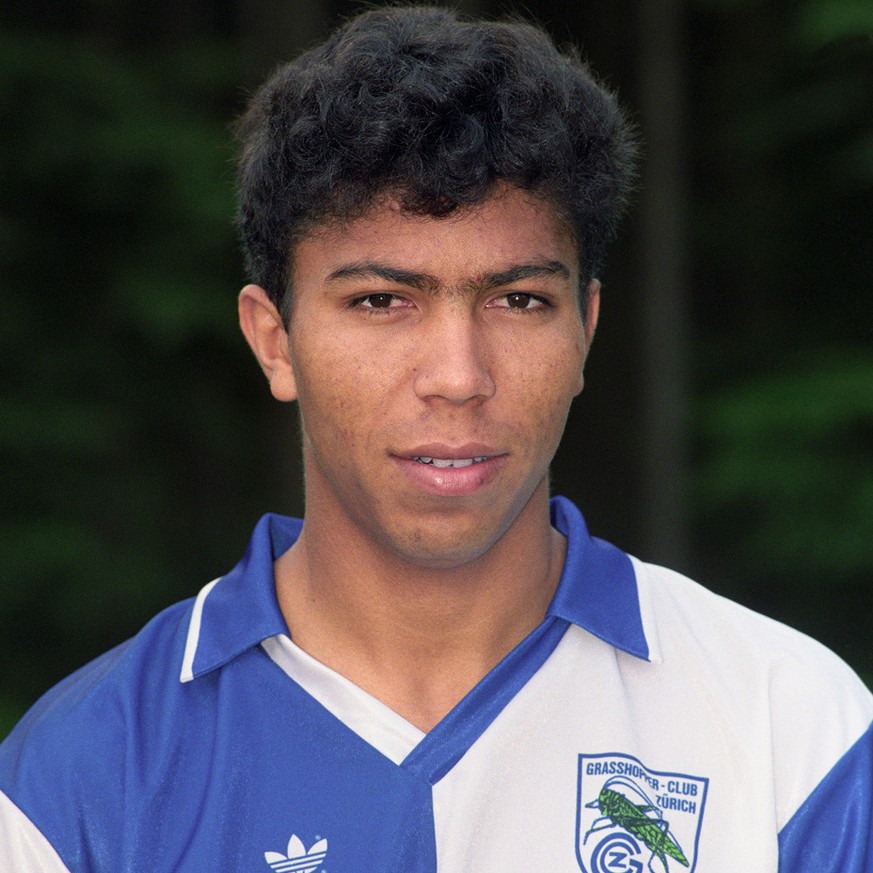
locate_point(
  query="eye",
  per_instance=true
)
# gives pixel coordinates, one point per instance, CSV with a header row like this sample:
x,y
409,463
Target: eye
x,y
520,300
380,301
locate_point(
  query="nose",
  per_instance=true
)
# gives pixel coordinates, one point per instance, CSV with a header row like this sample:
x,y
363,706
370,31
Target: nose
x,y
452,359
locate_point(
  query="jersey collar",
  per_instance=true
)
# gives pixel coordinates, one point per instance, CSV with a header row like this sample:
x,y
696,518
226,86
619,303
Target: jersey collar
x,y
240,610
598,588
597,591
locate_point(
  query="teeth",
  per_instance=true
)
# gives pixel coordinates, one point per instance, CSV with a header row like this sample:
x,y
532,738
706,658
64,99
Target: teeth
x,y
443,463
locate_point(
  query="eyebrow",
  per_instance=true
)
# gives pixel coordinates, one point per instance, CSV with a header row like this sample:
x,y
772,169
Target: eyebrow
x,y
518,272
430,284
375,270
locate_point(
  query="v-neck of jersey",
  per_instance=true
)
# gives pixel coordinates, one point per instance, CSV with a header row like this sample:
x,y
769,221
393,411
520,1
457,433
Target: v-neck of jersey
x,y
598,591
373,721
429,756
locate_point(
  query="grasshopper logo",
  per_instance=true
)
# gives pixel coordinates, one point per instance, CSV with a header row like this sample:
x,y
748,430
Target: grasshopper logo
x,y
631,819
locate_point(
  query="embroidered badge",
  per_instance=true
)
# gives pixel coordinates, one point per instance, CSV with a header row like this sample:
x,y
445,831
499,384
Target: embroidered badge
x,y
630,818
298,860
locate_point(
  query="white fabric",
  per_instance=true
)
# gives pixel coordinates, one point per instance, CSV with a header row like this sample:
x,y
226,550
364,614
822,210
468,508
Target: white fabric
x,y
724,705
23,849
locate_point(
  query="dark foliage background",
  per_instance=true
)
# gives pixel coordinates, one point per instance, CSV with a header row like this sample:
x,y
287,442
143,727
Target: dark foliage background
x,y
727,426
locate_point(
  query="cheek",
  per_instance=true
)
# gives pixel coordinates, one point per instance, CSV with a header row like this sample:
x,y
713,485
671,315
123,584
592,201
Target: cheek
x,y
542,398
552,380
340,394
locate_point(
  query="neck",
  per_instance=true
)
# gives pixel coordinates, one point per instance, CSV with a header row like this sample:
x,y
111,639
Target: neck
x,y
417,638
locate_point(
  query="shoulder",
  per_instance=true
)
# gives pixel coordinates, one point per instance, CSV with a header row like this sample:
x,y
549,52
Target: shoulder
x,y
100,694
778,689
71,748
688,620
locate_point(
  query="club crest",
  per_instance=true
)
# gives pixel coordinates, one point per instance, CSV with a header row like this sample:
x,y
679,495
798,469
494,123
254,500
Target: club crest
x,y
630,819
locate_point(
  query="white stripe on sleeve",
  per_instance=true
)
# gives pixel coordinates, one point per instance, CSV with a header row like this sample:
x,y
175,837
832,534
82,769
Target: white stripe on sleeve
x,y
23,848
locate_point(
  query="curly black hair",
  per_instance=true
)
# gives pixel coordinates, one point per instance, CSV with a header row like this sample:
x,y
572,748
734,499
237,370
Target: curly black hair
x,y
433,110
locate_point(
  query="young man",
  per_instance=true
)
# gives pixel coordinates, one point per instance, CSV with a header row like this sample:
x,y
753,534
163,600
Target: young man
x,y
439,669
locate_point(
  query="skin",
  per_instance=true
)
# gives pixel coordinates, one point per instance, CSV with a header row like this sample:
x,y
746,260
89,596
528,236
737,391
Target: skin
x,y
456,338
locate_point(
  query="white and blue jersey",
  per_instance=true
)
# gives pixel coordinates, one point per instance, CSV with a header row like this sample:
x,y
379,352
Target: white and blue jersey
x,y
646,725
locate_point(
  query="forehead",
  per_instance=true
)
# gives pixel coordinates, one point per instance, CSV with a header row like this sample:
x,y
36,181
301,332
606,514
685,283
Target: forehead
x,y
508,228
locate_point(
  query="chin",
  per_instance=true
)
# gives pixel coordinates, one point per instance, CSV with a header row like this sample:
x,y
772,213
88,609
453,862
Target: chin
x,y
433,549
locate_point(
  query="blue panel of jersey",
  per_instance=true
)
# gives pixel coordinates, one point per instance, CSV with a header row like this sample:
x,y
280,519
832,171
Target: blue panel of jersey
x,y
124,767
833,831
208,775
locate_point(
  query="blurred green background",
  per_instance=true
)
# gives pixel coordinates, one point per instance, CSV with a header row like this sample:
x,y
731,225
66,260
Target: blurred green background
x,y
727,424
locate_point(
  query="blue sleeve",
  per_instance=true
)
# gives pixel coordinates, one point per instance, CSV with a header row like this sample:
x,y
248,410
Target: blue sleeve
x,y
832,832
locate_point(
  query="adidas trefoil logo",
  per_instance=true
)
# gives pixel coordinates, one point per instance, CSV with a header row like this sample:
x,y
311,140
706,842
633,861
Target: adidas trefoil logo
x,y
298,859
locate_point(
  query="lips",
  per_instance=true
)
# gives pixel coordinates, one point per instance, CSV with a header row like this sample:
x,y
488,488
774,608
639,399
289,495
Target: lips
x,y
444,463
451,471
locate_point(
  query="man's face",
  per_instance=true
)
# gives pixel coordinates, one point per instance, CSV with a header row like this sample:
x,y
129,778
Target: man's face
x,y
434,362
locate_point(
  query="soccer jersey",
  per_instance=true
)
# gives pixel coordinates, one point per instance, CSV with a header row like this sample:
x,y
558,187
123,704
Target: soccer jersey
x,y
646,724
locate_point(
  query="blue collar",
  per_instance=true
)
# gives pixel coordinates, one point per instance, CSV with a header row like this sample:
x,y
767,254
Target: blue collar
x,y
597,591
598,587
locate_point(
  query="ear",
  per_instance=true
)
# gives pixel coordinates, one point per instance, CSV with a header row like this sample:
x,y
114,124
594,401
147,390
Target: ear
x,y
592,313
265,332
589,325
